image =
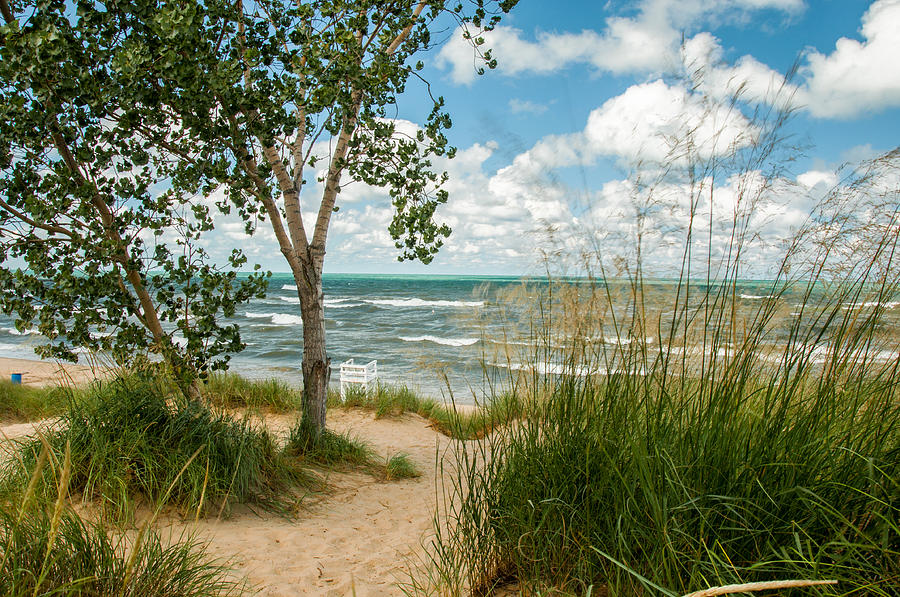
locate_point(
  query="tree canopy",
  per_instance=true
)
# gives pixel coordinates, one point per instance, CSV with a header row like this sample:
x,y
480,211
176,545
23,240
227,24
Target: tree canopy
x,y
99,232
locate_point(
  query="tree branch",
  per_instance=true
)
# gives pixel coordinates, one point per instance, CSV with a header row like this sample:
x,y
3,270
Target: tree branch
x,y
51,228
7,13
406,30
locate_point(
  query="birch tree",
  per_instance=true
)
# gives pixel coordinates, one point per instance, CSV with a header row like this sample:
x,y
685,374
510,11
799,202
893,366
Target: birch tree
x,y
280,93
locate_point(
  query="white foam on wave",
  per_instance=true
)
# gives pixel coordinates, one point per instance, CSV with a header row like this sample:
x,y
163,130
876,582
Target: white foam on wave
x,y
289,287
336,303
276,318
417,302
15,332
613,340
887,305
287,319
443,341
757,297
549,368
340,304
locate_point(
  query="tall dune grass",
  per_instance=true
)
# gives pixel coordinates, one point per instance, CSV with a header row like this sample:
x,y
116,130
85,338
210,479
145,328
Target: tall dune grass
x,y
131,438
682,436
25,403
48,550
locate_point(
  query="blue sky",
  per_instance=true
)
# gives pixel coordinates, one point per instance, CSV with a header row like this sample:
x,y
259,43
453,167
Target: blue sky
x,y
583,88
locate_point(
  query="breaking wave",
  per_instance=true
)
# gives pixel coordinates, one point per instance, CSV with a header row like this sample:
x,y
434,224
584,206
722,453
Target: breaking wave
x,y
443,341
417,302
276,318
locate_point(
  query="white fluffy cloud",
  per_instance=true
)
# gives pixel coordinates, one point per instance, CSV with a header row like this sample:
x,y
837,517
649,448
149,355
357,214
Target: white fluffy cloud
x,y
643,123
645,43
858,76
753,80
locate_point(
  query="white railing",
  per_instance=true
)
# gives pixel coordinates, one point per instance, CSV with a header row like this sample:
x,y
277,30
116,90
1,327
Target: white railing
x,y
358,374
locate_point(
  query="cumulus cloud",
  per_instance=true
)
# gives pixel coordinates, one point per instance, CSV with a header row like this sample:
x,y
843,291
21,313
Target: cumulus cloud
x,y
751,80
814,178
643,123
645,43
858,76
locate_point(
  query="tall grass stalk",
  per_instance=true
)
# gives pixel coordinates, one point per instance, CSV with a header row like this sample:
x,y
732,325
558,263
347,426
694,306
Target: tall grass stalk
x,y
51,551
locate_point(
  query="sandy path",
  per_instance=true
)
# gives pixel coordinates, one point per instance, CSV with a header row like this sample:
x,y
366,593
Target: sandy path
x,y
361,535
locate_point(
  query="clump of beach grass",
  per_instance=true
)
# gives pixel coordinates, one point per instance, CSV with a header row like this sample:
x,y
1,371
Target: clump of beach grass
x,y
72,557
400,466
229,390
455,421
130,437
25,403
329,449
683,436
344,452
48,550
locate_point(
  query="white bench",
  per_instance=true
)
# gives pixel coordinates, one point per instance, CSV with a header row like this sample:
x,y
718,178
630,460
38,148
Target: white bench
x,y
357,374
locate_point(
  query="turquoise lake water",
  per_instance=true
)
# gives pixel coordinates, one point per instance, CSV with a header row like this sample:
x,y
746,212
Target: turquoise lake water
x,y
414,326
437,334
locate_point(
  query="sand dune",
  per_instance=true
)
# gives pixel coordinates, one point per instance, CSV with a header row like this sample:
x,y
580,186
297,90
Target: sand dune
x,y
360,536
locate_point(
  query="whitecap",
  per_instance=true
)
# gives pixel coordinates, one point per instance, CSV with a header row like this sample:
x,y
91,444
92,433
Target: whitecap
x,y
417,302
756,297
277,318
443,341
286,319
340,304
887,305
15,332
550,368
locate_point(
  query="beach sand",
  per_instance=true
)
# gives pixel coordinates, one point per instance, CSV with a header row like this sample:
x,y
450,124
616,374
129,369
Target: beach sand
x,y
362,535
44,373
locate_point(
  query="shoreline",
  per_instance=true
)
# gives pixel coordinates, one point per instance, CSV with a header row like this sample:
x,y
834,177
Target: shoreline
x,y
40,374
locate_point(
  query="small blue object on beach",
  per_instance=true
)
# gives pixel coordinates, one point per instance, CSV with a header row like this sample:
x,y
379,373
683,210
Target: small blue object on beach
x,y
16,377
